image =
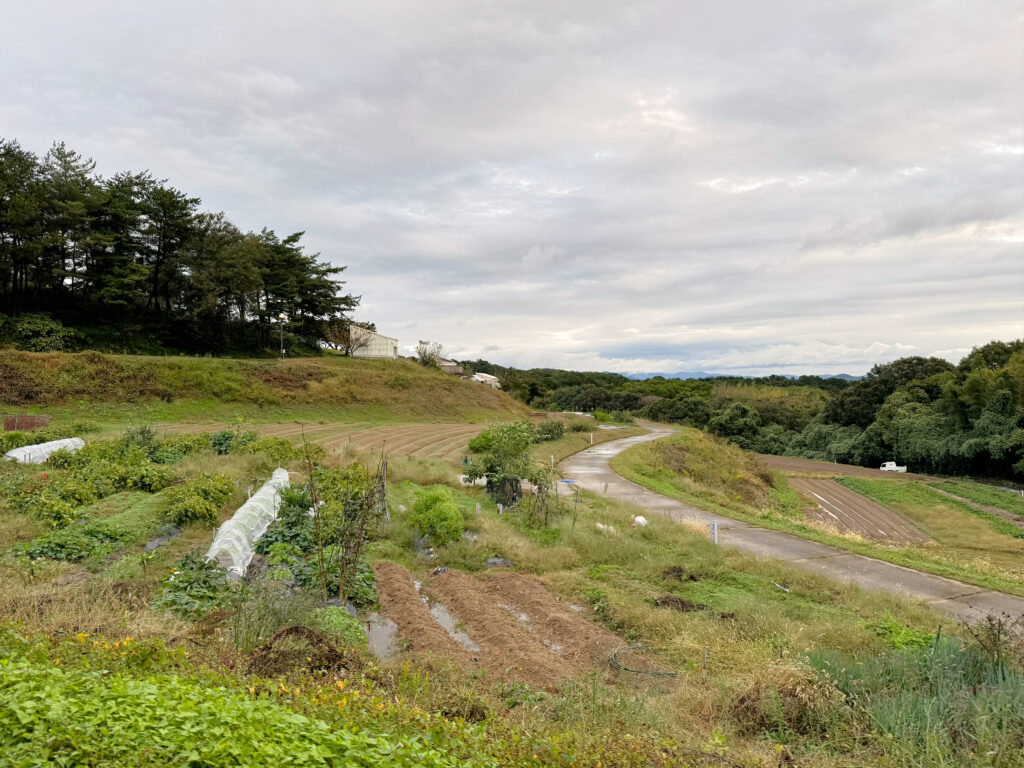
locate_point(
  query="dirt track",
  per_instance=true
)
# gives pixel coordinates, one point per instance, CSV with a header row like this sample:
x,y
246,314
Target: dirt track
x,y
851,512
520,630
831,469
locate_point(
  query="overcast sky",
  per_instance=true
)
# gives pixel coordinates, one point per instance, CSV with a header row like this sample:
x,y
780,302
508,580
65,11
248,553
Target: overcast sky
x,y
644,186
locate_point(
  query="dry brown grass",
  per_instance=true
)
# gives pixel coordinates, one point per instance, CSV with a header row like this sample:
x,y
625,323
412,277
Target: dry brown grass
x,y
61,599
398,387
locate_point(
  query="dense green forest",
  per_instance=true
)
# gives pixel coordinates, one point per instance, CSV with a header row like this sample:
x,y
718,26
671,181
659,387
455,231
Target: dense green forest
x,y
965,419
129,263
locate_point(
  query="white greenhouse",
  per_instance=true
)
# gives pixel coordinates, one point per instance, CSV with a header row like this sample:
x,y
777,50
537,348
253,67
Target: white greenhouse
x,y
233,546
40,452
373,344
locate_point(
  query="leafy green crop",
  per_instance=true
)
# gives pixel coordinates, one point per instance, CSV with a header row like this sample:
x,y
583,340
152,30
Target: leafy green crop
x,y
51,716
91,539
195,587
338,621
199,500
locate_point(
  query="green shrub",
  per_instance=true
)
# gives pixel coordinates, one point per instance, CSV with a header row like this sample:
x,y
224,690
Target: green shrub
x,y
221,441
232,440
195,587
41,333
482,442
364,591
149,478
337,621
550,430
198,501
91,539
14,439
177,447
280,450
51,508
580,426
293,525
142,438
436,515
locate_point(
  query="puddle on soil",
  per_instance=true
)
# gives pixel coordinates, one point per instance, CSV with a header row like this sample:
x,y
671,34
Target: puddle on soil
x,y
520,616
555,648
444,617
167,533
382,636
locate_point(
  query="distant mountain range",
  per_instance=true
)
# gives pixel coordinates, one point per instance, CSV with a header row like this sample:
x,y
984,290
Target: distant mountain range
x,y
706,375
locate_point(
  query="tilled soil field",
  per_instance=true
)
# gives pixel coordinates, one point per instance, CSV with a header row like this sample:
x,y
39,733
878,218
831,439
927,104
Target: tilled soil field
x,y
442,441
508,623
828,468
851,512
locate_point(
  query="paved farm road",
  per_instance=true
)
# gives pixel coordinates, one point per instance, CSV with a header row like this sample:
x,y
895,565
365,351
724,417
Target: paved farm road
x,y
590,470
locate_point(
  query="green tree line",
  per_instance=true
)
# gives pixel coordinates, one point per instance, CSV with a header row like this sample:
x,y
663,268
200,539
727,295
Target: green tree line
x,y
130,262
965,419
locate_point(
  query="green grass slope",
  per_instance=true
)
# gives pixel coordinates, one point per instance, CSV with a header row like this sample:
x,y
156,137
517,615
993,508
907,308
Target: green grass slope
x,y
105,387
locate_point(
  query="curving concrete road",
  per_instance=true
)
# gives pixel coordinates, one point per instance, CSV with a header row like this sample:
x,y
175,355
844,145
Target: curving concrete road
x,y
590,470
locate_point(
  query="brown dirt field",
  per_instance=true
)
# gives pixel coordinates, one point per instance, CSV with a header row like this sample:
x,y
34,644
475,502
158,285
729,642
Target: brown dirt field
x,y
401,603
420,439
523,632
851,512
507,648
561,629
442,441
814,467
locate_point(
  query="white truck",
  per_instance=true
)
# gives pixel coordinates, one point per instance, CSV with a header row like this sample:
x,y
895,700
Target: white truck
x,y
890,466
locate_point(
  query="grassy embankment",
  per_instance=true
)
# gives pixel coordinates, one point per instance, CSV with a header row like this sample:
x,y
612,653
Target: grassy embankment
x,y
764,692
112,391
712,474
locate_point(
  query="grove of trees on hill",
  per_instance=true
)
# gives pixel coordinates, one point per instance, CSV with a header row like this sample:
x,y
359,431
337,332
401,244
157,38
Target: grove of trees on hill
x,y
965,419
130,263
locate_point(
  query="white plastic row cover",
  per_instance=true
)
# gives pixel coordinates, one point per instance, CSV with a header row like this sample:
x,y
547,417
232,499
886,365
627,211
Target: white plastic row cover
x,y
40,452
235,542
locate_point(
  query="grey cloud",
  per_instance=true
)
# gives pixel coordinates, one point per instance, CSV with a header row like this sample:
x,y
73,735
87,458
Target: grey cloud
x,y
585,184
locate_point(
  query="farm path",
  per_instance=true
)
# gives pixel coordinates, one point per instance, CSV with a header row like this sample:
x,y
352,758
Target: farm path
x,y
590,469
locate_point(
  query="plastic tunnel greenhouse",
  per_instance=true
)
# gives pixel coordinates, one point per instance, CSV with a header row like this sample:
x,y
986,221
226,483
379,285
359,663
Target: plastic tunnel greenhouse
x,y
40,452
233,546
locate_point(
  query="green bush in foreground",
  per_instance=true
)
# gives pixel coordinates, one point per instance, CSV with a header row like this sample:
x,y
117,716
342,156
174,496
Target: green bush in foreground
x,y
51,716
436,515
337,621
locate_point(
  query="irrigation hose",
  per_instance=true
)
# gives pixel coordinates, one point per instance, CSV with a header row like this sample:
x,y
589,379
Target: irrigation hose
x,y
616,664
